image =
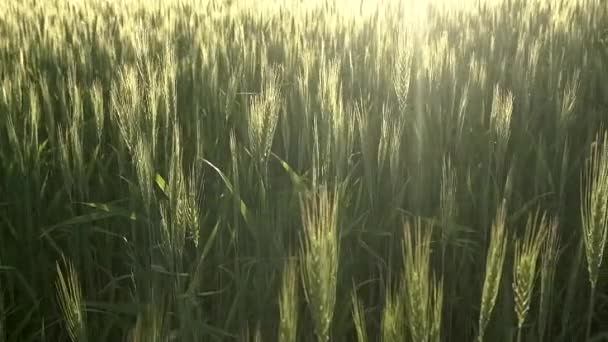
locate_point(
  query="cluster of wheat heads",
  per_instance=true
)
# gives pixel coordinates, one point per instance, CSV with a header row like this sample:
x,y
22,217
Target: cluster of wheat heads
x,y
203,170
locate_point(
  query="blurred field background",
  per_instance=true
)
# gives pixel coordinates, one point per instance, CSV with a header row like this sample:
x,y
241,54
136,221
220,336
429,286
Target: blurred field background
x,y
191,170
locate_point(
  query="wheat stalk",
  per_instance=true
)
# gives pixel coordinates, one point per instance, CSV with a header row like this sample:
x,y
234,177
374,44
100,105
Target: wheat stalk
x,y
2,313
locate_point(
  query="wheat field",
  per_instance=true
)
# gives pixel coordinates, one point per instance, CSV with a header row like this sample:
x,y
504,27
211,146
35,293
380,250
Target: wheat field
x,y
315,170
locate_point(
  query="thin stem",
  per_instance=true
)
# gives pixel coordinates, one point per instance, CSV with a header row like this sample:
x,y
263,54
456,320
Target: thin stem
x,y
590,313
519,333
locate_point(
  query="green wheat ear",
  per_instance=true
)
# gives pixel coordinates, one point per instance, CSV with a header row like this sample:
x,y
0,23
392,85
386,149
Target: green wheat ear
x,y
549,256
358,313
594,214
493,273
288,303
71,301
424,291
594,207
319,256
393,317
263,118
527,251
150,323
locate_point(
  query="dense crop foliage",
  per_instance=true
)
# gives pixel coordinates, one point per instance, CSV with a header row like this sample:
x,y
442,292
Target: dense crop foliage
x,y
298,171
